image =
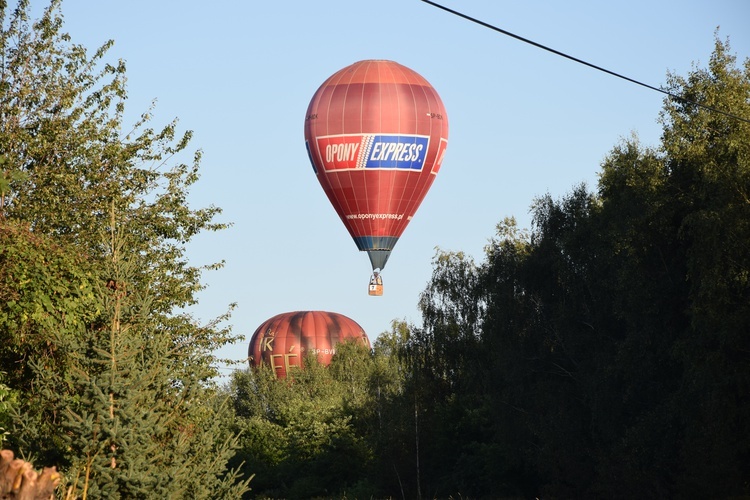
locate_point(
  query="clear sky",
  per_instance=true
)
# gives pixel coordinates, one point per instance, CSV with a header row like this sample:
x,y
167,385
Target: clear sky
x,y
523,123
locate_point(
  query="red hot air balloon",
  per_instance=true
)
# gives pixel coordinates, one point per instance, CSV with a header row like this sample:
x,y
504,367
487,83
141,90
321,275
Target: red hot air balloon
x,y
283,340
376,133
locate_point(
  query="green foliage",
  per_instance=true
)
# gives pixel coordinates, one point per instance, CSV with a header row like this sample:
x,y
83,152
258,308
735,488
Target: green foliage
x,y
113,380
45,291
298,434
8,404
62,128
105,393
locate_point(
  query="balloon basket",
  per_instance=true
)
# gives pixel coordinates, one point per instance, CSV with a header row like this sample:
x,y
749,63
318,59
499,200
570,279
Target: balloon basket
x,y
376,284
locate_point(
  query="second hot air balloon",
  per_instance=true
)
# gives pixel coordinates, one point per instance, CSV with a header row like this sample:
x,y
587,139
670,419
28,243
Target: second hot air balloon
x,y
283,340
376,132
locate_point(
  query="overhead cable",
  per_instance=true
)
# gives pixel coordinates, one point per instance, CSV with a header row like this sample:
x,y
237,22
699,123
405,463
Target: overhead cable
x,y
580,61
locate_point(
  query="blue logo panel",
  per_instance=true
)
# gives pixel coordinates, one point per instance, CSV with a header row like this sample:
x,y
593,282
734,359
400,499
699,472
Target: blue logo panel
x,y
395,151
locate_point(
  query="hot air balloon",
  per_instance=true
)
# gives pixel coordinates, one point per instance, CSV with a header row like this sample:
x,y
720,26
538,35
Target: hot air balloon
x,y
376,132
283,340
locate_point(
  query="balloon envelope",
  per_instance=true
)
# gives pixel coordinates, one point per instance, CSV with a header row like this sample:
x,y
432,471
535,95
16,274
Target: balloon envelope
x,y
376,132
283,340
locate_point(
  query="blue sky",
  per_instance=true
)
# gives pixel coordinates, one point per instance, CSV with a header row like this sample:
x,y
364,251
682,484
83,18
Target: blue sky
x,y
523,123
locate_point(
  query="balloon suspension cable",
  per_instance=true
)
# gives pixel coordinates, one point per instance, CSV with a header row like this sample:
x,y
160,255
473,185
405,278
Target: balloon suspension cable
x,y
580,61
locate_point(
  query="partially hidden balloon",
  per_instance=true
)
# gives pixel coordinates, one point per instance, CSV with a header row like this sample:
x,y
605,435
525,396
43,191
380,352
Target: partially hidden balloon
x,y
376,132
283,340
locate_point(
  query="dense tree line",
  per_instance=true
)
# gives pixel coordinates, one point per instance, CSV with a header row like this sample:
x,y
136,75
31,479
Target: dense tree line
x,y
602,353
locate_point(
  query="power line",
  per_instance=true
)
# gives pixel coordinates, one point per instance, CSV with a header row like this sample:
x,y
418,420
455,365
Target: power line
x,y
580,61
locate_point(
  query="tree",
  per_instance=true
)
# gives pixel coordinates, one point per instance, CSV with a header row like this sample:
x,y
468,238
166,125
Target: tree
x,y
709,164
62,118
298,434
607,350
114,378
